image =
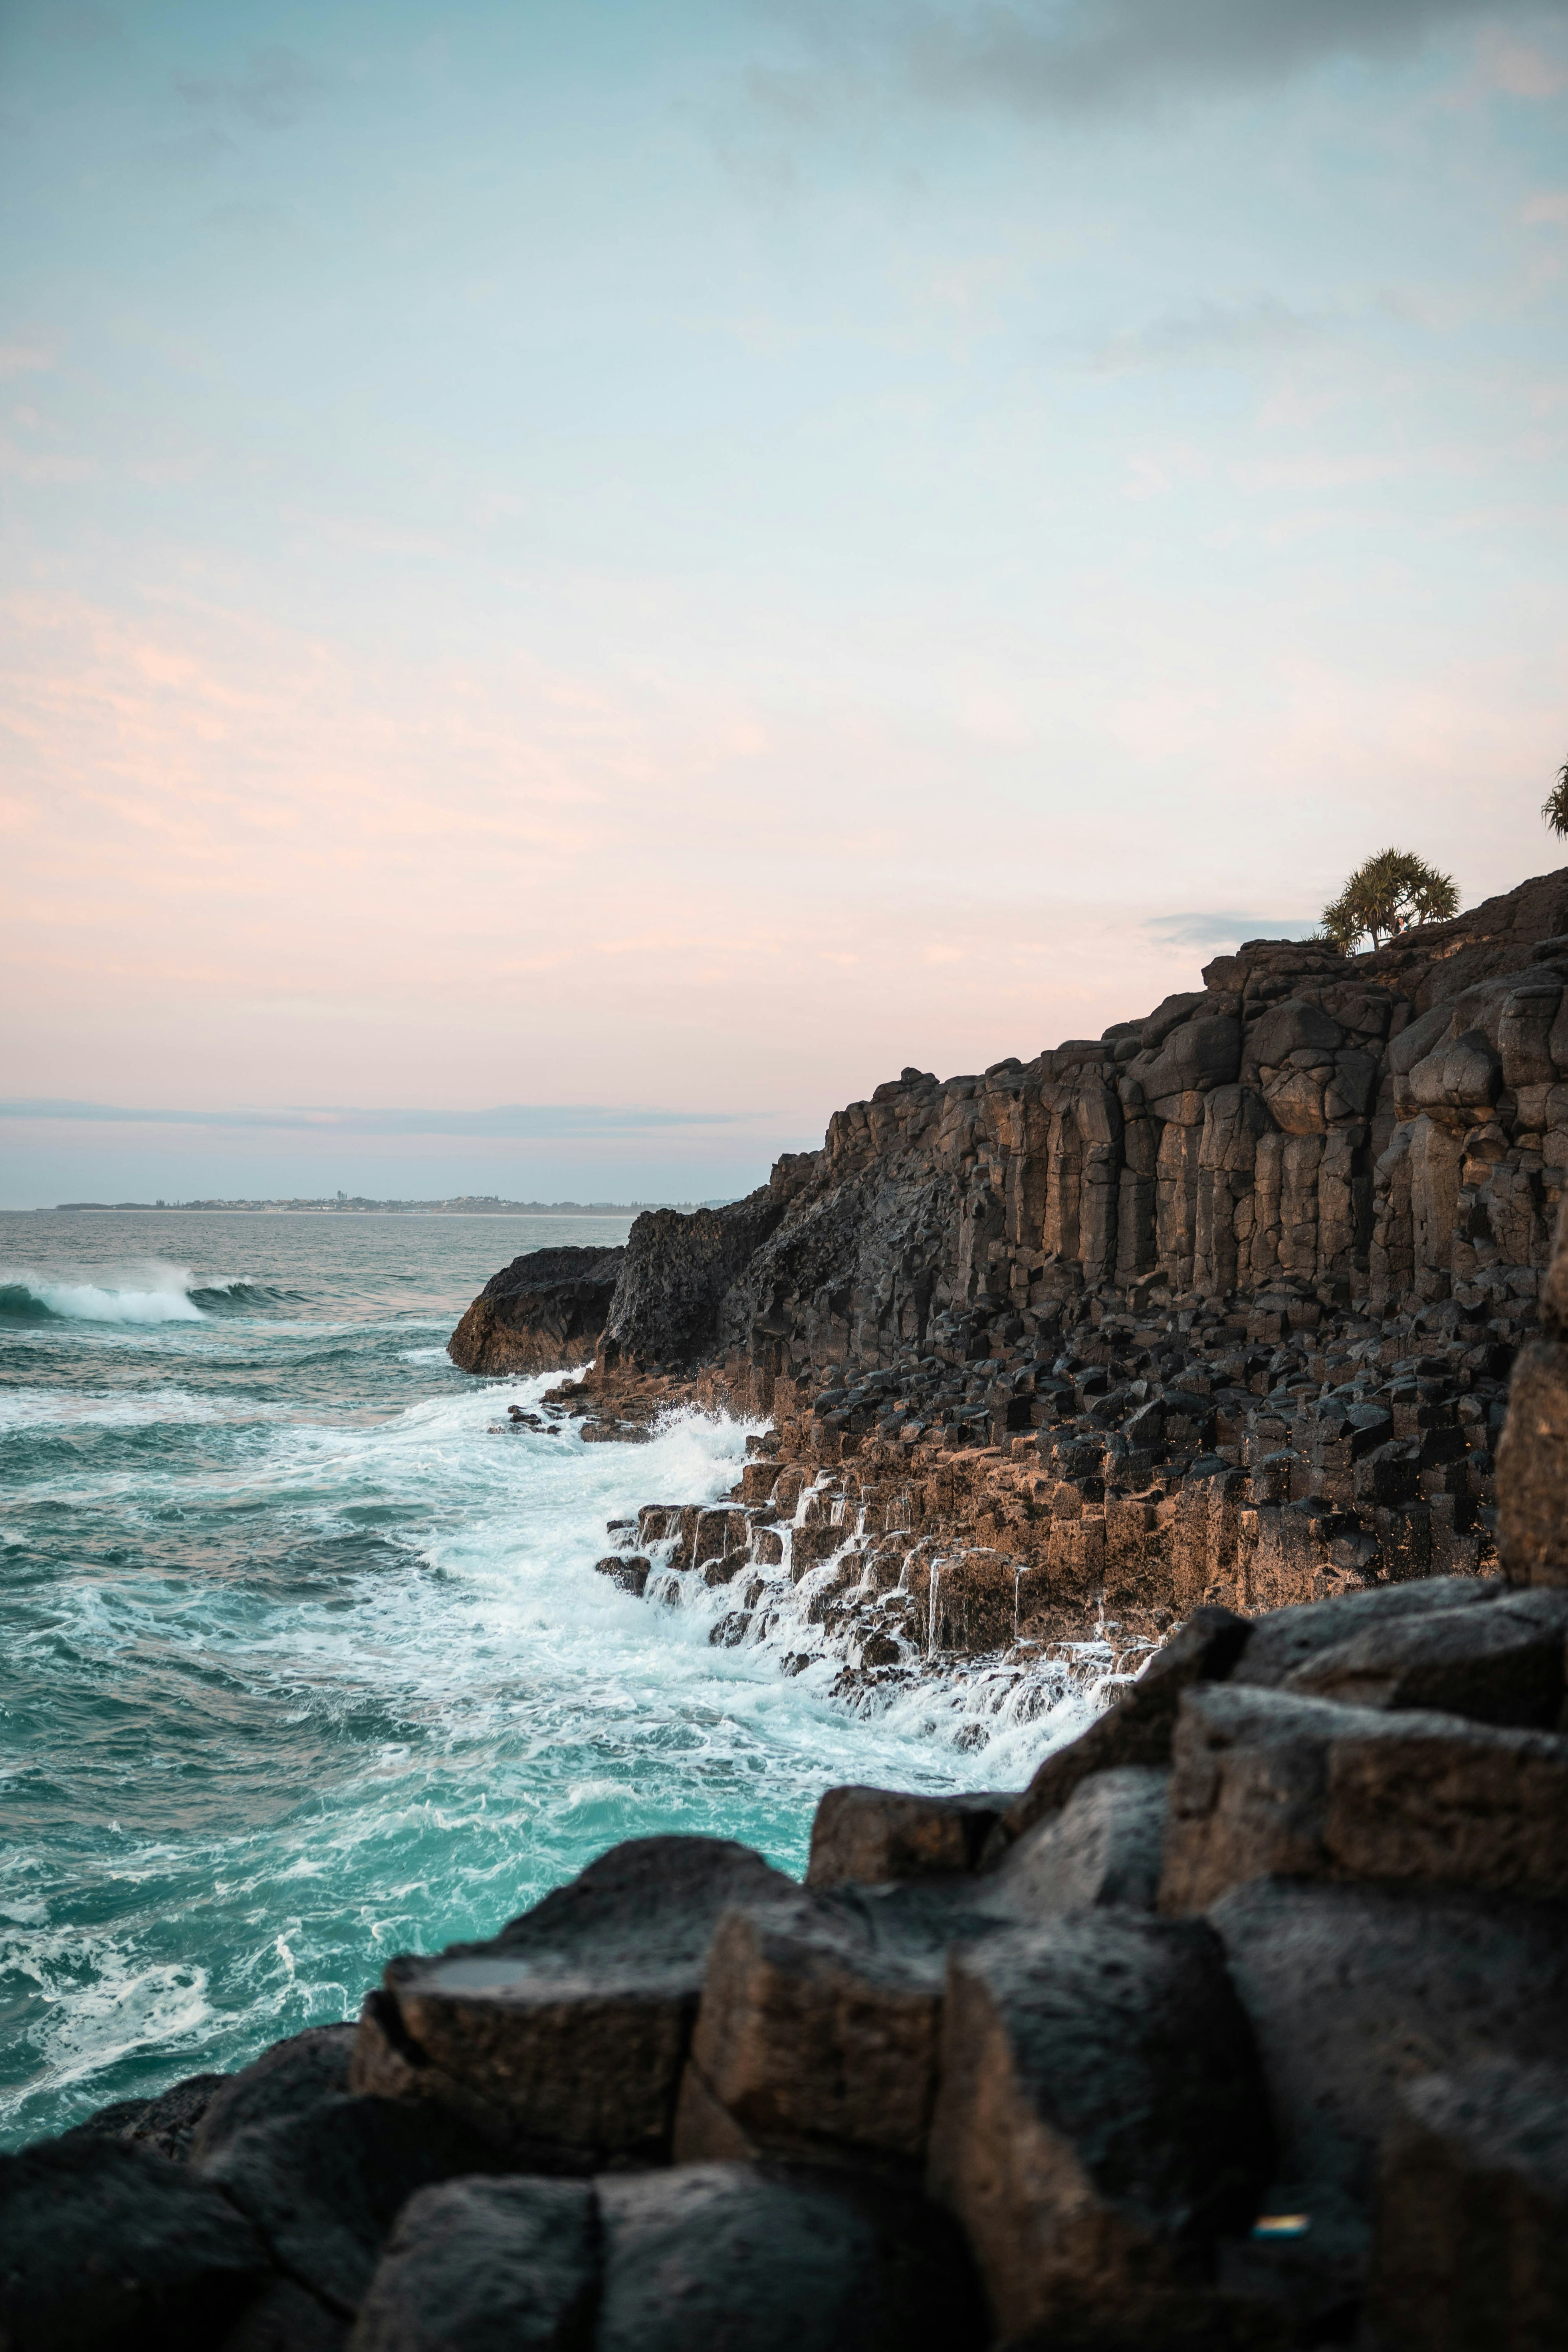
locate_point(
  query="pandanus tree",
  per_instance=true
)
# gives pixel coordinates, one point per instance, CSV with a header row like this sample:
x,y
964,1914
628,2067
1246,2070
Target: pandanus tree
x,y
1390,891
1554,807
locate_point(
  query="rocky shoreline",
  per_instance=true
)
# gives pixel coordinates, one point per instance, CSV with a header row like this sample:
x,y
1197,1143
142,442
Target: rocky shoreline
x,y
1245,2024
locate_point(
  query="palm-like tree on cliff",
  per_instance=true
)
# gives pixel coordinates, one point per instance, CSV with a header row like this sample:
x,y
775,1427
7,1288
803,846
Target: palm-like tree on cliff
x,y
1554,807
1390,891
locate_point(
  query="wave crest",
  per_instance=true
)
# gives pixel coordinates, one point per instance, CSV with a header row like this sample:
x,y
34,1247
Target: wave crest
x,y
151,1294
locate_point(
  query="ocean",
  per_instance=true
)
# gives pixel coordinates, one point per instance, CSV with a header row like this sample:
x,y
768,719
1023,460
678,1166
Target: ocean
x,y
302,1665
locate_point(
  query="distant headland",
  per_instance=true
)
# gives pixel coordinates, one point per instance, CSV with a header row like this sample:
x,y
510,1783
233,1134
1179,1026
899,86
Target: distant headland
x,y
465,1204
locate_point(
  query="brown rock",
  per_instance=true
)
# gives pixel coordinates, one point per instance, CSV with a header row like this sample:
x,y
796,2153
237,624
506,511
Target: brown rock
x,y
1264,1781
819,2028
871,1835
1471,2250
566,2036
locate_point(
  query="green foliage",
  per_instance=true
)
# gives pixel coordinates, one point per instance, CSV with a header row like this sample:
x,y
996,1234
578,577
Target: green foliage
x,y
1554,807
1390,891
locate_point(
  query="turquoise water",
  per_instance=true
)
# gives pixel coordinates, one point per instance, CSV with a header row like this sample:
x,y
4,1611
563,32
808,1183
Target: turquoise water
x,y
302,1666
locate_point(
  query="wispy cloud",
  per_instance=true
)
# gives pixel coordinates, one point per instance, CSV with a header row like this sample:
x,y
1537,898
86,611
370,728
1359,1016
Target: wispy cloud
x,y
270,95
1085,56
1223,928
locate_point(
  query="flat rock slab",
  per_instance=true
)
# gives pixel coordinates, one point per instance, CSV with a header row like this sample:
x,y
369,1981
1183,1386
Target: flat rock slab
x,y
1287,1638
1472,2251
865,1836
1267,1783
565,2038
820,2021
1502,1664
324,2187
1355,1991
1106,1846
1102,2120
101,2244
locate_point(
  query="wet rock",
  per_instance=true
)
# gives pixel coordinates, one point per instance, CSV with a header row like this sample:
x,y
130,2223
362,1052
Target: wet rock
x,y
1102,2120
324,2184
741,2258
105,2245
1138,1729
1264,1781
1104,1847
486,2266
164,2125
1471,2250
564,2037
546,1308
870,1835
818,2031
630,1572
287,2318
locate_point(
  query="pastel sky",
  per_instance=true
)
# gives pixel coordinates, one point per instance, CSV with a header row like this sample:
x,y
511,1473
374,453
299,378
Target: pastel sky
x,y
583,581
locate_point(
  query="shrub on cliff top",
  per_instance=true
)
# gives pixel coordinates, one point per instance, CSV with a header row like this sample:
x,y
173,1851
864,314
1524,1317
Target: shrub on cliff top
x,y
1387,893
1554,807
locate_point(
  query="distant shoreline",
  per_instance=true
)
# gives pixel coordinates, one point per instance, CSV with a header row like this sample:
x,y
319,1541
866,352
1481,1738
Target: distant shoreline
x,y
480,1208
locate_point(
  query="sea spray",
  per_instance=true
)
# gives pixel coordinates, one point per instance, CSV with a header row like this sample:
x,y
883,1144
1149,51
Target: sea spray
x,y
302,1666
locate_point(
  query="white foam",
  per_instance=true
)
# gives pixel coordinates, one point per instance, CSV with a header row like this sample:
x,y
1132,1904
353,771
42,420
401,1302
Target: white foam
x,y
151,1292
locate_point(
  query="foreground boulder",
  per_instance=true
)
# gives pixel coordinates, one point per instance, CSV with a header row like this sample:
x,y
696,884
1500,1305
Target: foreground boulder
x,y
565,2038
324,2186
1472,2213
1264,1781
101,2244
1356,1992
710,2257
870,1835
1101,2122
820,2023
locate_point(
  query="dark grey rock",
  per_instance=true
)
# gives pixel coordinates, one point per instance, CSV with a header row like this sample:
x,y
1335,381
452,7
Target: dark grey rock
x,y
1104,1847
284,2081
164,2126
486,2266
1472,2248
742,2258
324,2186
1502,1665
1355,1991
1287,1638
106,2245
1101,2121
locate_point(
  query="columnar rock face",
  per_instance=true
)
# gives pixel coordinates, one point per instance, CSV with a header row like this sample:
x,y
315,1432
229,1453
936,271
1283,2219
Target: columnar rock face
x,y
1389,1123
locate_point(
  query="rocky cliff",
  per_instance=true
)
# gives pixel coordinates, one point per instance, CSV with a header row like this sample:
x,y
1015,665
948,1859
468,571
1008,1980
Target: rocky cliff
x,y
1220,1308
545,1310
1384,1126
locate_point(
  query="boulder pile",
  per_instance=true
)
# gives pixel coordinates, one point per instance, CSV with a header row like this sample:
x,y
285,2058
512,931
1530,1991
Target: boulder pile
x,y
1245,2024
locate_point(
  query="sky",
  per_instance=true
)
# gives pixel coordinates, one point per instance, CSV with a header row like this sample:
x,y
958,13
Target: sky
x,y
582,583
